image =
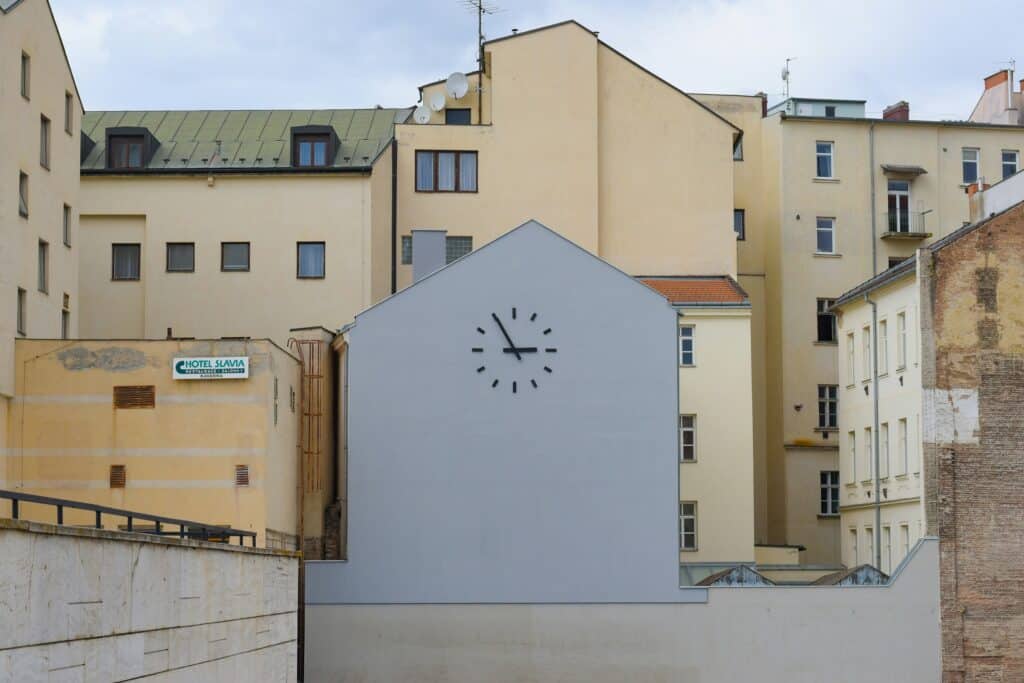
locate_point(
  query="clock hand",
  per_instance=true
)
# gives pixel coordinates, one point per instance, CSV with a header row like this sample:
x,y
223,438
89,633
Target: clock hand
x,y
507,338
521,349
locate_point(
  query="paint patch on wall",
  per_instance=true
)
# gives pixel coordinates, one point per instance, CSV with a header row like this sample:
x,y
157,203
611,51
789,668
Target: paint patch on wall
x,y
109,359
951,416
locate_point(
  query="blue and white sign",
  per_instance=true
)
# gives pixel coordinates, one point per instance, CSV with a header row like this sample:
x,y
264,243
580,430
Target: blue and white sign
x,y
223,367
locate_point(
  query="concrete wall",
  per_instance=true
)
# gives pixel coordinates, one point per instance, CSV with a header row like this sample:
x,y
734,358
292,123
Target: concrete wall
x,y
883,634
93,606
464,492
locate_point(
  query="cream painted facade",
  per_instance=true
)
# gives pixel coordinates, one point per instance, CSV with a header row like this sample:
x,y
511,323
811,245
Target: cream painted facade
x,y
899,419
716,392
180,455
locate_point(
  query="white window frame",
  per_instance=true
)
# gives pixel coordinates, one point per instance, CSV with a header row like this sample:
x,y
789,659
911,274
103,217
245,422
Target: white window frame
x,y
902,435
883,450
830,228
691,430
964,152
21,319
886,548
854,549
869,534
883,347
1005,163
66,225
851,441
901,340
43,265
684,535
830,155
904,540
869,452
851,358
689,338
828,481
829,399
865,345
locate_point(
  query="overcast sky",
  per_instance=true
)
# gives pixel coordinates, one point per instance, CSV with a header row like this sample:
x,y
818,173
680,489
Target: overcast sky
x,y
191,54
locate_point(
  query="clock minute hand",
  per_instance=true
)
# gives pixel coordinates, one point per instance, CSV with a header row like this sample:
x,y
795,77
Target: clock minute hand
x,y
507,338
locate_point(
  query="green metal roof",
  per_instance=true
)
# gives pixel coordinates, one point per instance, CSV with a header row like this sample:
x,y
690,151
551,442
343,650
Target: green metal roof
x,y
249,140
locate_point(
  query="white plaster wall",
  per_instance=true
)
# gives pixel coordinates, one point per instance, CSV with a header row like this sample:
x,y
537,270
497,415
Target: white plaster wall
x,y
86,605
792,634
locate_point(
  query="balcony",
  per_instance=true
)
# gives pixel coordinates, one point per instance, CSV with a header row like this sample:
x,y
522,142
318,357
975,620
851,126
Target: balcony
x,y
905,225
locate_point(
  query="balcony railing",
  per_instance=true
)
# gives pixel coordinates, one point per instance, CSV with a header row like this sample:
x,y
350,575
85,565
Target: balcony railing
x,y
906,225
181,528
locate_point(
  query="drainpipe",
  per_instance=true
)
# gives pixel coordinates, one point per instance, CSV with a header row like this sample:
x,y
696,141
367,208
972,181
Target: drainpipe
x,y
874,430
871,209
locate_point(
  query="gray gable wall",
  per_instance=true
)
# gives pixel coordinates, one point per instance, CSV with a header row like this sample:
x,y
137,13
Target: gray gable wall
x,y
460,492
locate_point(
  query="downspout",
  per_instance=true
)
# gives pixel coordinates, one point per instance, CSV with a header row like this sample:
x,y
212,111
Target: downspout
x,y
874,429
394,215
871,209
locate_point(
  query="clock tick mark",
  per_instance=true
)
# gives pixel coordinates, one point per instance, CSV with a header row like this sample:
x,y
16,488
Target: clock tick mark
x,y
478,349
513,387
550,350
494,384
547,331
513,312
481,368
534,383
547,369
480,330
533,317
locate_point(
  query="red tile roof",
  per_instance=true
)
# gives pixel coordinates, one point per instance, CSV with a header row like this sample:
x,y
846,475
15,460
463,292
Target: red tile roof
x,y
680,290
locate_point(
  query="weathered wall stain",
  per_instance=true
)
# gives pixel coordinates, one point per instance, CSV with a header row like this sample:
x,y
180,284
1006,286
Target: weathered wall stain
x,y
110,359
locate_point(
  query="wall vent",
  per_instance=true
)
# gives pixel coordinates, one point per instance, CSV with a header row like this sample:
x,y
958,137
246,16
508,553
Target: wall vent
x,y
129,397
118,476
241,475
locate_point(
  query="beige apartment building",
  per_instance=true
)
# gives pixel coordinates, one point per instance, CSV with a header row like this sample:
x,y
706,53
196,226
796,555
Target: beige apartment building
x,y
827,201
40,115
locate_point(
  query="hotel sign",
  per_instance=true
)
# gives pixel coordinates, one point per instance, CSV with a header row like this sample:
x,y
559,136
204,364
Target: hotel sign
x,y
223,367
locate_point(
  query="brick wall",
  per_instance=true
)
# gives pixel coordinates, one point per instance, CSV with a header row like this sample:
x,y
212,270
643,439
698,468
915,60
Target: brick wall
x,y
973,374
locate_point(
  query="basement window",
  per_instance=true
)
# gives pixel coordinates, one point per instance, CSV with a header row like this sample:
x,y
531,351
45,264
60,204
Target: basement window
x,y
241,475
118,476
135,397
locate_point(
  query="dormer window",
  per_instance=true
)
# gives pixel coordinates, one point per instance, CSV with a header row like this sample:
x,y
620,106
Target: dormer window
x,y
313,146
126,151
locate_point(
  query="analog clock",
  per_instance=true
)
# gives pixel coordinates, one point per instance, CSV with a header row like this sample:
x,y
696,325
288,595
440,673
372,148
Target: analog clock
x,y
515,350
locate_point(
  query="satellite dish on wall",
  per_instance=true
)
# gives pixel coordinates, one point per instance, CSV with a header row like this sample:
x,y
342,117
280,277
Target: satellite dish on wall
x,y
457,85
436,101
421,115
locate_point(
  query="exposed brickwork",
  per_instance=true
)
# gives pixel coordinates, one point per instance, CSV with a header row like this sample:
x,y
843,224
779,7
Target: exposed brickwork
x,y
973,342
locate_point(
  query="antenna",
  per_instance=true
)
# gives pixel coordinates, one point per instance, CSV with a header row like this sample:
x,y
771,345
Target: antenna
x,y
457,85
481,7
422,114
785,74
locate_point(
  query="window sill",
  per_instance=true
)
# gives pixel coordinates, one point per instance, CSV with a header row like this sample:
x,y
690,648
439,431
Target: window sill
x,y
821,516
827,254
44,167
901,368
850,484
827,430
687,550
687,462
818,342
901,477
67,244
851,386
687,366
22,214
126,279
867,482
819,179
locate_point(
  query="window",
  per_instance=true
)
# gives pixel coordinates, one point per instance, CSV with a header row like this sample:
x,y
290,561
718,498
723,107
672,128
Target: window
x,y
234,256
1011,157
406,250
853,547
21,312
869,545
737,150
829,493
44,142
739,223
457,247
44,267
826,236
883,347
69,113
901,340
865,343
686,345
970,156
65,324
883,450
852,439
118,476
687,438
896,260
823,155
688,526
901,434
125,151
830,111
457,117
241,475
23,194
26,75
869,455
135,397
181,257
311,150
828,403
311,260
851,371
826,321
904,540
66,225
446,171
899,206
886,549
126,262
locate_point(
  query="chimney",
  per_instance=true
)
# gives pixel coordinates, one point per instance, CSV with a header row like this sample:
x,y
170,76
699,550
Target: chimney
x,y
997,78
428,252
764,103
897,112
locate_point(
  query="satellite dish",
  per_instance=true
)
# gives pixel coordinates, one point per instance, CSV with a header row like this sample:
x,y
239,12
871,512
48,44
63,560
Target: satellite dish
x,y
421,115
436,101
457,85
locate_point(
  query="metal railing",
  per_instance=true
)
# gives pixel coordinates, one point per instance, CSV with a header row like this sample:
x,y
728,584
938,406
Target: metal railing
x,y
904,222
185,528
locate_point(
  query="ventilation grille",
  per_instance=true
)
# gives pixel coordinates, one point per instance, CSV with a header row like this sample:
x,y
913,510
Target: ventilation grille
x,y
117,476
135,397
241,475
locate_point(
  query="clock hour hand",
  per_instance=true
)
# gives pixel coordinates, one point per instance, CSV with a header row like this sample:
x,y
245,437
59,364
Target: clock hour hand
x,y
507,338
521,349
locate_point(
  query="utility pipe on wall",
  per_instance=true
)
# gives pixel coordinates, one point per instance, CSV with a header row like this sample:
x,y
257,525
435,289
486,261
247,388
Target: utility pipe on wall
x,y
874,429
872,207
